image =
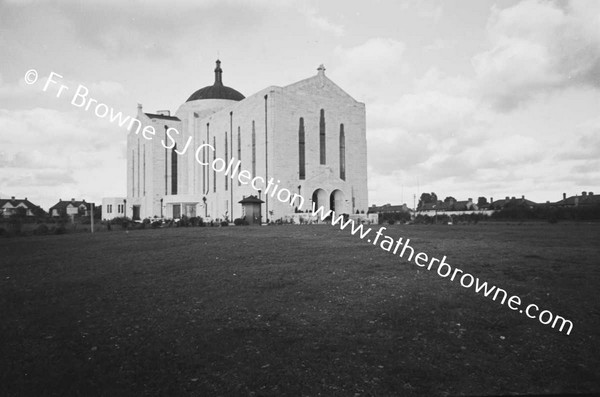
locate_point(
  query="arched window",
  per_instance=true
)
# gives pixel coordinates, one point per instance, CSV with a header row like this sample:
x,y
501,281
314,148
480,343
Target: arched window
x,y
322,136
342,153
301,150
174,170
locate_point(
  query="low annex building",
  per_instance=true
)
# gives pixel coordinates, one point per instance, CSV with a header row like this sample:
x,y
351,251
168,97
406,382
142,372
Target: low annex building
x,y
308,137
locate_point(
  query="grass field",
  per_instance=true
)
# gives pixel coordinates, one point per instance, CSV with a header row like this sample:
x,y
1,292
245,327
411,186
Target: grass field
x,y
296,310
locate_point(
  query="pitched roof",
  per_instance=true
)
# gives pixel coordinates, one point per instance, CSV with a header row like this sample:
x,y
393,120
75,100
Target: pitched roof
x,y
15,202
62,204
588,199
513,202
388,208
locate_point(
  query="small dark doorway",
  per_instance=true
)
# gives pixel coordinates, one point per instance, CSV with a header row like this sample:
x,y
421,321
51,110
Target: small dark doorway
x,y
136,213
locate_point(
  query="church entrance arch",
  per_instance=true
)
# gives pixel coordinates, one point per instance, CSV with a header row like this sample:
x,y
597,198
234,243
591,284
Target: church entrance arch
x,y
319,198
337,201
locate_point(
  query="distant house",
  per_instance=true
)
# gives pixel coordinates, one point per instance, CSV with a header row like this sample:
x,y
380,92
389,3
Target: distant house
x,y
464,205
113,207
586,199
452,207
73,207
388,209
11,206
509,202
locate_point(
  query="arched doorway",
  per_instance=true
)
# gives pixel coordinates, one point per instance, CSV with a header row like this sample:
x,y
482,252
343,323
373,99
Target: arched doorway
x,y
319,198
337,202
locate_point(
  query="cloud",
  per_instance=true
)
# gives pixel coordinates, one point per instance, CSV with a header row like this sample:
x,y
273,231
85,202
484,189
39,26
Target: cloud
x,y
538,47
49,150
320,22
586,145
424,9
370,68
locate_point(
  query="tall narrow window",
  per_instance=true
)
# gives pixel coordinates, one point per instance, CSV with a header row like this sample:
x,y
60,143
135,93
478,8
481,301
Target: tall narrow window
x,y
226,159
203,168
174,170
138,168
253,150
214,171
342,153
301,151
144,168
207,156
239,153
322,136
133,173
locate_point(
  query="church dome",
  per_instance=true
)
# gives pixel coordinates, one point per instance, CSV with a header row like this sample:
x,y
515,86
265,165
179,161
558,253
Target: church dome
x,y
217,90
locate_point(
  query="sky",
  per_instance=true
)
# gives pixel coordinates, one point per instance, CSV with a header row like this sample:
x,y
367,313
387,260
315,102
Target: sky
x,y
464,98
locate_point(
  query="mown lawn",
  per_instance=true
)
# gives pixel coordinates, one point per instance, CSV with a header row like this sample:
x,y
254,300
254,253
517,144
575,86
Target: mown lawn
x,y
296,310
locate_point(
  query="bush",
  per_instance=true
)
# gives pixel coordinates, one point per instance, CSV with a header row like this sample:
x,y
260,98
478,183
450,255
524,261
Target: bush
x,y
240,222
156,224
41,229
196,221
60,230
119,220
224,223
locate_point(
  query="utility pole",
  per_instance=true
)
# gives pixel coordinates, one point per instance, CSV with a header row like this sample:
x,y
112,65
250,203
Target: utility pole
x,y
92,218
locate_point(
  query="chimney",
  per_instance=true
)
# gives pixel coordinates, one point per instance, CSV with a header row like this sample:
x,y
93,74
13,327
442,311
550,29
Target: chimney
x,y
513,197
523,197
564,196
72,199
12,198
491,200
583,193
590,193
506,198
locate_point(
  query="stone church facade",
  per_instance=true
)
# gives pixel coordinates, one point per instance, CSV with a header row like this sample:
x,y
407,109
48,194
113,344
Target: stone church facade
x,y
308,137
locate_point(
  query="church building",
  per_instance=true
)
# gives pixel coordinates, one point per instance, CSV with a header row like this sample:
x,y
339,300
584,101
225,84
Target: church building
x,y
308,137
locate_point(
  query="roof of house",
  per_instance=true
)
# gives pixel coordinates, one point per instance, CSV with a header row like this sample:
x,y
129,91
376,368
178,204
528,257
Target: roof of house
x,y
15,202
388,208
522,201
62,204
586,199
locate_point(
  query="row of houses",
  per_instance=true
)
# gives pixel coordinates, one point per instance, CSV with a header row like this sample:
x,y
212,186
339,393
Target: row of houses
x,y
469,206
15,206
115,207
